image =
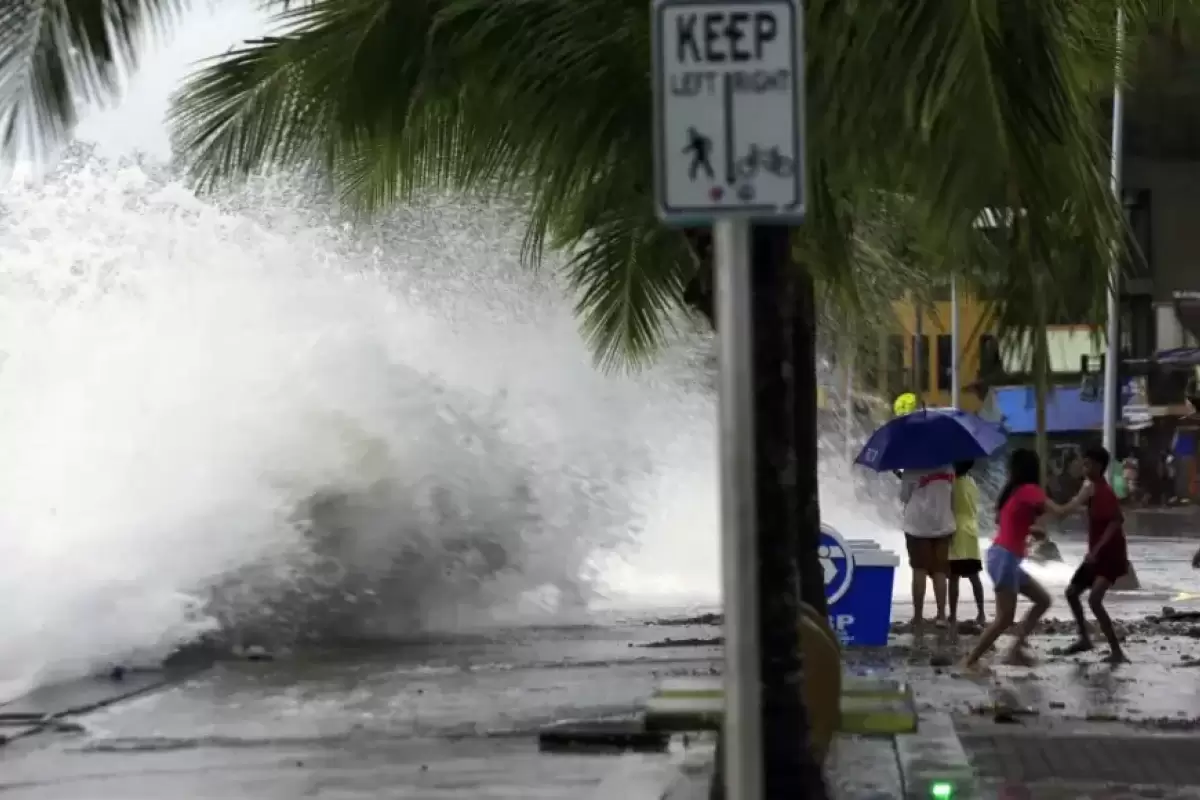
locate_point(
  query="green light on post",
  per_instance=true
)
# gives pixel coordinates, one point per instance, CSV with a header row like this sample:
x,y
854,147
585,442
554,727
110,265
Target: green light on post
x,y
941,790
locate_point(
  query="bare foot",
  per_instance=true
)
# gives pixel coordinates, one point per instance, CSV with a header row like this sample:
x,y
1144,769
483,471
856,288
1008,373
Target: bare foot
x,y
981,620
1078,646
939,622
975,669
1019,657
1115,657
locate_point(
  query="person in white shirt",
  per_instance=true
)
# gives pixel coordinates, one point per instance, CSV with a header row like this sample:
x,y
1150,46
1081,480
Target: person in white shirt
x,y
929,527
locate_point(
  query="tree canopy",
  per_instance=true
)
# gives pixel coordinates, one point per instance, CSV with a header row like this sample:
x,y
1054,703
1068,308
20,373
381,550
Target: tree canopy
x,y
920,115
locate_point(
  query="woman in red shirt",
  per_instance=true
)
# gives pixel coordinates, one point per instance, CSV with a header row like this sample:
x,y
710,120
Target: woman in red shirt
x,y
1021,503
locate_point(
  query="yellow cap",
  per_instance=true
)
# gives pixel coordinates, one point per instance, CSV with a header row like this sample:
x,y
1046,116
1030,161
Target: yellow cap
x,y
904,404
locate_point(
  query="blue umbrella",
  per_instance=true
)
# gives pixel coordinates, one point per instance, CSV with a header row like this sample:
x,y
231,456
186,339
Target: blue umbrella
x,y
930,438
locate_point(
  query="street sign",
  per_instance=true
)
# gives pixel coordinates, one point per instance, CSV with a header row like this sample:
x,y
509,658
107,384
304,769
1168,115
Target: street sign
x,y
728,110
1137,417
1136,412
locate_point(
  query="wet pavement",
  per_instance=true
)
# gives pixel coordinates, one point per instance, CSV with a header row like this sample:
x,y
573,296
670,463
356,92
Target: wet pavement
x,y
456,717
1163,566
1071,727
1176,521
476,768
1114,763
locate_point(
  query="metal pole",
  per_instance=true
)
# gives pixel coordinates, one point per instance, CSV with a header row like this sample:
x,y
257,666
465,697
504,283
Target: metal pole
x,y
848,431
1112,350
917,365
739,557
955,393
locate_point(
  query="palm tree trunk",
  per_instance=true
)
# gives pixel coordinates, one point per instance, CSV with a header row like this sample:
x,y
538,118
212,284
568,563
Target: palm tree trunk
x,y
784,354
804,408
785,437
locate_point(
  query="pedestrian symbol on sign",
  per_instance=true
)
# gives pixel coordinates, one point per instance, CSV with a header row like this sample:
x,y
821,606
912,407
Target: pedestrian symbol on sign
x,y
700,148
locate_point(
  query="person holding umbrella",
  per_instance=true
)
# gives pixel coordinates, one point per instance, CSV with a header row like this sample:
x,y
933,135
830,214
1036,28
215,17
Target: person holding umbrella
x,y
923,446
929,526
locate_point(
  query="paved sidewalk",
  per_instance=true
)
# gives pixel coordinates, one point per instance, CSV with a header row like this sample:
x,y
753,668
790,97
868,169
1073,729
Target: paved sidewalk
x,y
1069,759
1071,791
1177,522
1072,728
1029,755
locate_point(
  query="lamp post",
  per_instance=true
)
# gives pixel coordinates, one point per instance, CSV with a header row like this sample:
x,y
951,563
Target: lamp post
x,y
1112,334
955,391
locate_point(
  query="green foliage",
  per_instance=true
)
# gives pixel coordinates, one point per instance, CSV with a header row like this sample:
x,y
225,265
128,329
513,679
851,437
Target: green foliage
x,y
53,53
921,114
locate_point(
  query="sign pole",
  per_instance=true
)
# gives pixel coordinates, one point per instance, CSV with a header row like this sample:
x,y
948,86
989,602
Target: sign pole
x,y
739,562
729,152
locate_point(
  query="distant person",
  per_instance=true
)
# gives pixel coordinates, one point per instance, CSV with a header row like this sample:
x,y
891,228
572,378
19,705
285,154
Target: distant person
x,y
1021,503
927,496
1129,472
1107,558
964,548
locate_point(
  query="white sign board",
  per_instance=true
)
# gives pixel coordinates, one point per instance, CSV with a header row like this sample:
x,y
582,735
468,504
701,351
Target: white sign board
x,y
1137,417
728,110
1136,412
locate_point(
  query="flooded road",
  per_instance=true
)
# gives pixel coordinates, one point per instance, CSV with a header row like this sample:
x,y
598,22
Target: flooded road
x,y
456,717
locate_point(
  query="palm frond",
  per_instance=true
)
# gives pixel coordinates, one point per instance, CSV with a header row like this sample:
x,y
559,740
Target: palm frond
x,y
57,55
952,107
999,98
629,275
385,123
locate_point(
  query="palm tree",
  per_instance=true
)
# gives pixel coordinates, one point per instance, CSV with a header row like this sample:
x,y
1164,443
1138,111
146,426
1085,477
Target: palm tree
x,y
566,126
938,109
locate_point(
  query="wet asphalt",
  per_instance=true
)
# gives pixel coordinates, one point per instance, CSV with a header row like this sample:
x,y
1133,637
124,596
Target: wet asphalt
x,y
444,718
456,717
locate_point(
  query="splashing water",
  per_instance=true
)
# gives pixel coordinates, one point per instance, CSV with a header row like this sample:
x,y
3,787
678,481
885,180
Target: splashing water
x,y
246,413
246,416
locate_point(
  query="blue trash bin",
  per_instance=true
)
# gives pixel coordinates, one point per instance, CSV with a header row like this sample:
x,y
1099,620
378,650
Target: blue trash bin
x,y
859,578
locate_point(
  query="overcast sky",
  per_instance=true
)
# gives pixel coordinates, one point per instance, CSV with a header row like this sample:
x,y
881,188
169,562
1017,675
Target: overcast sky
x,y
136,123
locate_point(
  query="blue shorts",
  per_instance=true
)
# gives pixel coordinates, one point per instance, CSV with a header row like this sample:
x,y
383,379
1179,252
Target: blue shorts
x,y
1004,568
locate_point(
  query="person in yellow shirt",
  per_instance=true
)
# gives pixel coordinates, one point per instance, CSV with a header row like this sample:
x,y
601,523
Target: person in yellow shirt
x,y
964,547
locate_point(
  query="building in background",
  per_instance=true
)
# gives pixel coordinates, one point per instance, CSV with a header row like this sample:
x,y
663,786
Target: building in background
x,y
1159,309
889,369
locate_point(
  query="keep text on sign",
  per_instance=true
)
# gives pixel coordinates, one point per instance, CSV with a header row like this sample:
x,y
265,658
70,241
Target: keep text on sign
x,y
728,109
